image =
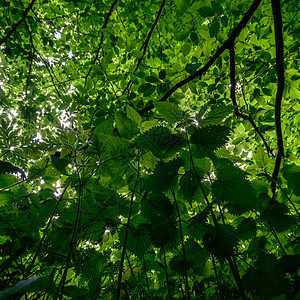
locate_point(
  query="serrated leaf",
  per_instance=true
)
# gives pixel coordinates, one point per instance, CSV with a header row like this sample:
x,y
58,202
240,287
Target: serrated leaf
x,y
170,111
138,239
164,176
211,137
215,116
266,279
160,141
126,127
8,168
179,265
221,242
133,115
189,184
155,206
233,188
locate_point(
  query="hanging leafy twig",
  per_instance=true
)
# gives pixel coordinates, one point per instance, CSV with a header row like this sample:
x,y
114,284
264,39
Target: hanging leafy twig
x,y
101,39
233,99
14,28
280,86
145,45
226,45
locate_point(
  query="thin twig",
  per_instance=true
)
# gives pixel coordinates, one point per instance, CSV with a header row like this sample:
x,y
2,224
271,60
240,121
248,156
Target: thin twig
x,y
236,31
101,40
234,102
145,45
14,28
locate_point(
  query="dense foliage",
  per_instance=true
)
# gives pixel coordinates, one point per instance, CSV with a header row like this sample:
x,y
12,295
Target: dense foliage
x,y
149,149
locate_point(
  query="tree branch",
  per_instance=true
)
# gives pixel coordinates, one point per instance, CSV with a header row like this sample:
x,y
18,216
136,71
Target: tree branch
x,y
236,31
145,45
280,86
14,28
233,99
101,40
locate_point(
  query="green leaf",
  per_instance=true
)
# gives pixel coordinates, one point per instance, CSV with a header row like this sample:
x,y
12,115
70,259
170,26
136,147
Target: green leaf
x,y
126,127
147,89
155,206
151,79
97,69
233,188
215,116
138,240
210,137
170,111
137,53
8,168
182,5
214,28
189,184
160,141
5,198
292,174
133,115
221,242
164,176
206,11
60,164
186,48
266,279
162,74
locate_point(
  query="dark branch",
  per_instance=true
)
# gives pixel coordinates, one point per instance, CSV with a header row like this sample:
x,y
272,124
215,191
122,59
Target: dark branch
x,y
233,99
14,28
230,41
101,40
280,86
145,45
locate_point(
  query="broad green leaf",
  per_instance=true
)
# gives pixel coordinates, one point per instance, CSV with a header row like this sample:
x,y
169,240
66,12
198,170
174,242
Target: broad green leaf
x,y
164,176
221,241
233,188
97,69
133,115
186,48
266,278
126,127
160,141
8,168
215,116
182,5
292,174
210,137
138,240
137,53
170,111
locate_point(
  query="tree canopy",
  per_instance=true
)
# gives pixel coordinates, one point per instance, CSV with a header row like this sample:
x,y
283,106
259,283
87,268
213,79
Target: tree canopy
x,y
149,149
